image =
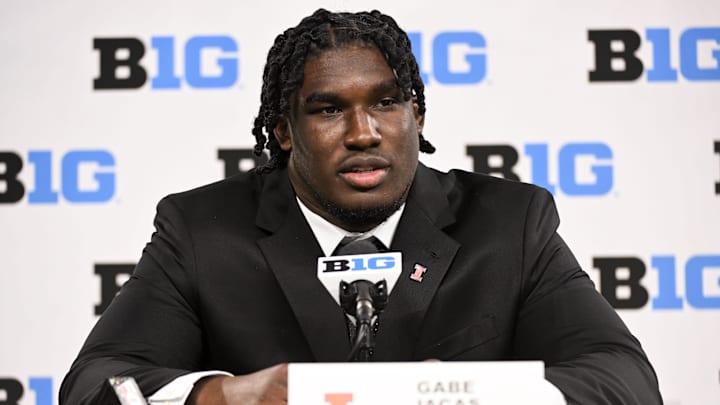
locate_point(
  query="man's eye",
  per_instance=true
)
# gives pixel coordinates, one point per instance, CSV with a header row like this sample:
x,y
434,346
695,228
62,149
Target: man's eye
x,y
386,102
329,110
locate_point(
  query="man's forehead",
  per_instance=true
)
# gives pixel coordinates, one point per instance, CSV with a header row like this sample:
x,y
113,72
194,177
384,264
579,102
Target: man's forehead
x,y
316,53
347,63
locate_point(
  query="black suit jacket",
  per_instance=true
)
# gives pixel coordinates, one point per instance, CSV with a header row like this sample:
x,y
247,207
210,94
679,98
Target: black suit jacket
x,y
228,282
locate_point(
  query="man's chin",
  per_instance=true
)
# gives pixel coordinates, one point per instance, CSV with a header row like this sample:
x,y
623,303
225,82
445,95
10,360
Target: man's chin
x,y
360,219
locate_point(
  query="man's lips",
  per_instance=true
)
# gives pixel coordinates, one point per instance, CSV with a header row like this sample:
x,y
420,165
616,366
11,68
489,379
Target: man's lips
x,y
365,178
364,173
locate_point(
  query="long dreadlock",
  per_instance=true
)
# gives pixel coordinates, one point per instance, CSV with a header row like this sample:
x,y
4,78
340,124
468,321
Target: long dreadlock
x,y
285,66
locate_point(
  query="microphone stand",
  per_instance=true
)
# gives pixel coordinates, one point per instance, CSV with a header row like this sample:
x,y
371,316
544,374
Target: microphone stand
x,y
364,301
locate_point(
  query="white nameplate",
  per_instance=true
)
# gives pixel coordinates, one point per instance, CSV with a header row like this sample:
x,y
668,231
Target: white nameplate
x,y
421,383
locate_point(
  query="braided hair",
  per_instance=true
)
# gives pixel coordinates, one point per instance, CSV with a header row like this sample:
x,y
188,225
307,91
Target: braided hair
x,y
322,30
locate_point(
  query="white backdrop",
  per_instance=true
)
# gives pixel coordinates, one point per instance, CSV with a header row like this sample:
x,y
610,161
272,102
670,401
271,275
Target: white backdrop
x,y
522,72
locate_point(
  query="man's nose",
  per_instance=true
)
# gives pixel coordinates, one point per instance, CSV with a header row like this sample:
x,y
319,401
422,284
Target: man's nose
x,y
362,131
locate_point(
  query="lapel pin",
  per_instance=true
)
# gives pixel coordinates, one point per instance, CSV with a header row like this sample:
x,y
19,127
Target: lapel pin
x,y
417,275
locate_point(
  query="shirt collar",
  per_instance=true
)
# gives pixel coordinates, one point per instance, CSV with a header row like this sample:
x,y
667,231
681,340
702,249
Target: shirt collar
x,y
329,235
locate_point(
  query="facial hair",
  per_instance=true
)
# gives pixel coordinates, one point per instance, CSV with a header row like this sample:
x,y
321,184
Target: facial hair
x,y
364,218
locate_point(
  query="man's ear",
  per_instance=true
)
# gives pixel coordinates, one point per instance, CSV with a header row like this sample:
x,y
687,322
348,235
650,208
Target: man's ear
x,y
419,119
283,134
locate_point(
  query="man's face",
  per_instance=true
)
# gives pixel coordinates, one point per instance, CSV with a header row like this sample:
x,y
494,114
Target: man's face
x,y
353,140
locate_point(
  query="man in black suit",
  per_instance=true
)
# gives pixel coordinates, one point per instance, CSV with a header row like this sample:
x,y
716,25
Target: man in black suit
x,y
228,282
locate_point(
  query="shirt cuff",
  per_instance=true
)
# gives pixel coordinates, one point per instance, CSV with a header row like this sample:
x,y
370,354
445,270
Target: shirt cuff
x,y
178,390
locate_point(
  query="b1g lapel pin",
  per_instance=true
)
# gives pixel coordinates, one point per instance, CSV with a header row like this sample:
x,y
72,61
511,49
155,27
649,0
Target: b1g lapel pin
x,y
417,275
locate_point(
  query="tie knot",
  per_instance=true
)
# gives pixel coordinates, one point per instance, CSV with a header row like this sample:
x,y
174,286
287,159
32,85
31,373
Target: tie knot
x,y
354,245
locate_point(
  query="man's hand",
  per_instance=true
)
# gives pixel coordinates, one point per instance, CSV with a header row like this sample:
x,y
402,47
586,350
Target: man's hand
x,y
266,387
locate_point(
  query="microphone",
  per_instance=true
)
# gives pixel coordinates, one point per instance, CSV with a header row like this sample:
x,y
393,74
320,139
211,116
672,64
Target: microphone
x,y
365,301
361,284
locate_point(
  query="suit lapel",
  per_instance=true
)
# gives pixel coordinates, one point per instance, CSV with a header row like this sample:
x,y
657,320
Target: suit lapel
x,y
292,252
421,242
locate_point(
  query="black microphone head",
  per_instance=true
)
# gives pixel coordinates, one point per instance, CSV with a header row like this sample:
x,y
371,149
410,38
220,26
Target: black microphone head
x,y
351,293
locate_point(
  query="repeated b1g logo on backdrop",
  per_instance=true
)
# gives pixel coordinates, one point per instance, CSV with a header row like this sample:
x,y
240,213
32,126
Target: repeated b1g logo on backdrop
x,y
86,176
620,279
122,63
458,57
583,169
12,390
501,160
698,50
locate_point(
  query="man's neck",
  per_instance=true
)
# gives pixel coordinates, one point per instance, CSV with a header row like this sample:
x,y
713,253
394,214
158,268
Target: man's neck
x,y
329,235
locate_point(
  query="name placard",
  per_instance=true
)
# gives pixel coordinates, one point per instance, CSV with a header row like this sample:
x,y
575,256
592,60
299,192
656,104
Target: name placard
x,y
421,383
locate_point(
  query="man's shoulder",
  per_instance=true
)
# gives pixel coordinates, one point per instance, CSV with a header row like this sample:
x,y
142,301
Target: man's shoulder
x,y
240,192
242,183
471,184
496,203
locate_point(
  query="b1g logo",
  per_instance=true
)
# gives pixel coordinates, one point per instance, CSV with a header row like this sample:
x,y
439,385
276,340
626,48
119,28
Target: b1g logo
x,y
458,57
382,261
584,169
620,282
12,390
698,50
210,62
86,176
